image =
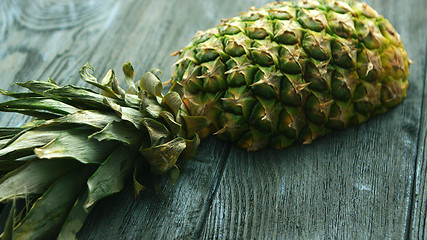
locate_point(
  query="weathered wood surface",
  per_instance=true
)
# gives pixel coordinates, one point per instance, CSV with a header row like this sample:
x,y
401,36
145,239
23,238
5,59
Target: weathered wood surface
x,y
365,182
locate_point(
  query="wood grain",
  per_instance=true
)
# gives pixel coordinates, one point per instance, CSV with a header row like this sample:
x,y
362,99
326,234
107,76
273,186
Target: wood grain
x,y
418,221
366,182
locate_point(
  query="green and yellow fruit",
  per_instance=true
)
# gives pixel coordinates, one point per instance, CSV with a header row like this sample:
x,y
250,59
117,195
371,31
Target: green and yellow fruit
x,y
273,77
291,72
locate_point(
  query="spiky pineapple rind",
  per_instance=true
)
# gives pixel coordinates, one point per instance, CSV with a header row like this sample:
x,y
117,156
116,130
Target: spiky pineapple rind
x,y
293,71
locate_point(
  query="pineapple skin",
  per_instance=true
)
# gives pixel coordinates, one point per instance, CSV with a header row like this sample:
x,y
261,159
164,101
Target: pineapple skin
x,y
291,72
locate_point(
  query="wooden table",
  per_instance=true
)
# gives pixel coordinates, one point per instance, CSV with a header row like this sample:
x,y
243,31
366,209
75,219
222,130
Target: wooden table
x,y
365,182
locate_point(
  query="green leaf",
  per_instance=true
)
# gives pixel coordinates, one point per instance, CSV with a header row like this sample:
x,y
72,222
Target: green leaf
x,y
178,88
150,106
89,78
86,76
157,131
74,143
126,113
157,72
174,174
50,80
10,165
75,219
161,158
132,101
33,178
110,80
151,84
173,101
137,187
194,124
24,144
134,116
8,131
46,216
93,118
10,222
191,148
40,114
18,94
38,104
170,120
129,72
38,87
123,132
79,97
4,141
33,123
111,176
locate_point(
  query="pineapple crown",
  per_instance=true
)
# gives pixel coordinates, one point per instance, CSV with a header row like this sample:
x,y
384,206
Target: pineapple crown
x,y
80,137
141,118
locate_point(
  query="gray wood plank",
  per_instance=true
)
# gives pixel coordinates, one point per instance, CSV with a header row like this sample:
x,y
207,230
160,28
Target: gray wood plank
x,y
418,221
355,184
39,39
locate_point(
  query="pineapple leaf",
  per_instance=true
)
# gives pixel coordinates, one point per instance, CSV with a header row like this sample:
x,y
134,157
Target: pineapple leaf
x,y
174,174
151,84
4,141
132,115
161,158
149,105
111,81
37,104
159,134
195,124
111,176
137,187
18,94
173,101
123,132
6,166
170,120
33,178
79,97
129,72
132,100
38,87
74,143
48,213
40,114
178,88
10,222
24,142
191,148
9,131
75,219
92,118
89,78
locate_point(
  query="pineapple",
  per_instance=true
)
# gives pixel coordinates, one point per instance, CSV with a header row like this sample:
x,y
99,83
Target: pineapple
x,y
293,71
273,77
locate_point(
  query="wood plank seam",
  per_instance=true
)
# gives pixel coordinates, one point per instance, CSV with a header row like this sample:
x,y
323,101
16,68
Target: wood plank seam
x,y
205,214
418,163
